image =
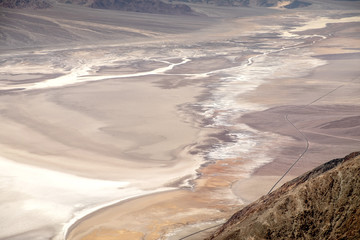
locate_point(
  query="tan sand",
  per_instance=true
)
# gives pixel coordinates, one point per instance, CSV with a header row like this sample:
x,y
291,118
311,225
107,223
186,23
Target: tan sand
x,y
157,215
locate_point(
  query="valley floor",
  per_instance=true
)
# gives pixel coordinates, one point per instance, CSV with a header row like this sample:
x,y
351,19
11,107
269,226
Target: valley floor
x,y
142,131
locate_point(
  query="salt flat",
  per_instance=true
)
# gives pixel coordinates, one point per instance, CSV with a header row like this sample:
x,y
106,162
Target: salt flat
x,y
108,106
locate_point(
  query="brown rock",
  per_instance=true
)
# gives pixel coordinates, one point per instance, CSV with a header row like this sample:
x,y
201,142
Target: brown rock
x,y
37,4
145,6
321,204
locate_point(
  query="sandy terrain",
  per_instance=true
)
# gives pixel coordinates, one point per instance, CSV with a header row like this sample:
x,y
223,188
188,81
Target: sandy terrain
x,y
94,128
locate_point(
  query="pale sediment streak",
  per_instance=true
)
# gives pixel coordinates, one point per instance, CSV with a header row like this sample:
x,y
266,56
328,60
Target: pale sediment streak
x,y
46,197
321,22
78,216
225,104
81,75
49,195
223,108
317,23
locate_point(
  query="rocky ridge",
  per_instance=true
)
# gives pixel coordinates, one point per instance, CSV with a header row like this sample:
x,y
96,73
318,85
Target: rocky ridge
x,y
145,6
36,4
153,6
321,204
253,3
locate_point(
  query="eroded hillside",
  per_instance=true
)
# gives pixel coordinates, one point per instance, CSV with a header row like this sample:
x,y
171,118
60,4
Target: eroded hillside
x,y
37,4
321,204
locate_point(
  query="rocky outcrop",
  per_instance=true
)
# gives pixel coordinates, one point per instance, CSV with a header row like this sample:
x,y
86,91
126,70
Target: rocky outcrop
x,y
240,3
253,3
36,4
171,8
321,204
297,4
145,6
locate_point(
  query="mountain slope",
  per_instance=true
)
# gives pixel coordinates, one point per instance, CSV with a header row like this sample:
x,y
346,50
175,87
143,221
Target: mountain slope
x,y
145,6
321,204
38,4
253,3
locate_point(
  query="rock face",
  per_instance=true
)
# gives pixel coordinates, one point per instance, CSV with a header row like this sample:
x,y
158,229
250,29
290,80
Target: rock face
x,y
145,6
321,204
37,4
297,4
253,3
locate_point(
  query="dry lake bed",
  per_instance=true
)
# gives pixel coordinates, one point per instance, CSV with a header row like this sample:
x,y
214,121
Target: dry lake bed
x,y
118,125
